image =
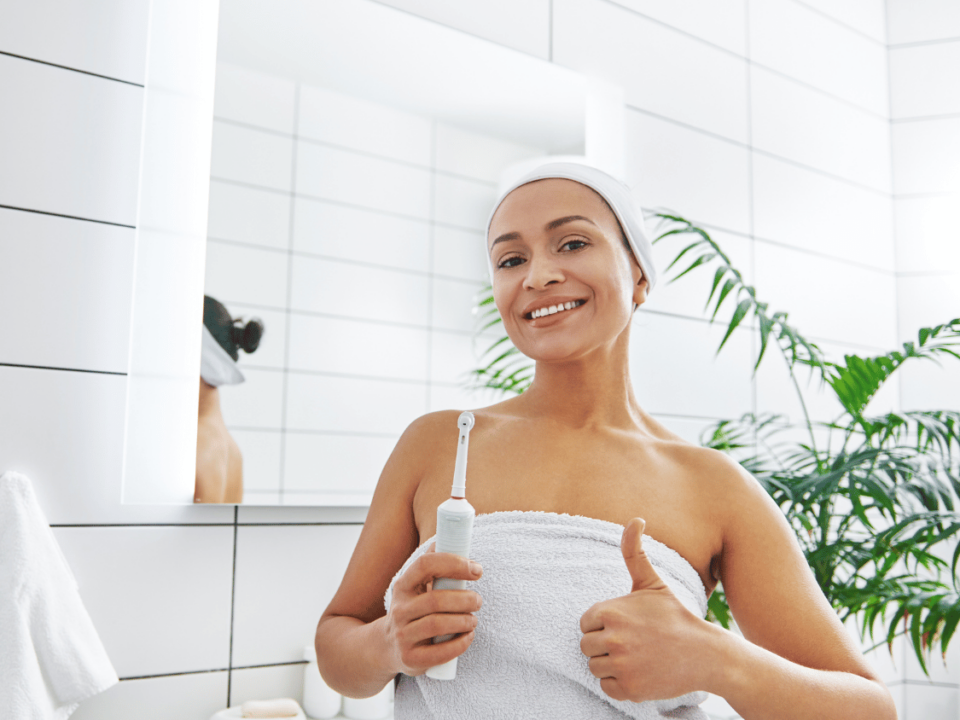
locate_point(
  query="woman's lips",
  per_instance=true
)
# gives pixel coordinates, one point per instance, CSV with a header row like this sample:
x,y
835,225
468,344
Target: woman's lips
x,y
553,318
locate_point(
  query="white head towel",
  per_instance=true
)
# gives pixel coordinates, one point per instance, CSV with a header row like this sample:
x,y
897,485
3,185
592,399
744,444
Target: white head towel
x,y
616,194
51,658
216,365
541,572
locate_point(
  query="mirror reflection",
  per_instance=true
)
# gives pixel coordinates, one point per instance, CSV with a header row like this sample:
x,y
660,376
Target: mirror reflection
x,y
347,226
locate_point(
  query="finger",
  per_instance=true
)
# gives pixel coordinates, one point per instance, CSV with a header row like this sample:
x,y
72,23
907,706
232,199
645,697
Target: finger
x,y
641,570
601,666
590,620
592,645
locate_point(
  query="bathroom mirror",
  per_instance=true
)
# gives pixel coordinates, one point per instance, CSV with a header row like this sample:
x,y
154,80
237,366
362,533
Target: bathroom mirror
x,y
355,151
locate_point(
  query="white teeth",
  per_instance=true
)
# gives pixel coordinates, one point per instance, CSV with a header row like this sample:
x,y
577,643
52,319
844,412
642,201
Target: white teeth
x,y
541,312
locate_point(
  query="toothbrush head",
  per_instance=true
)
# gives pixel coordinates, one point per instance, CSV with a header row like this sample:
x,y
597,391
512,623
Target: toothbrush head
x,y
465,421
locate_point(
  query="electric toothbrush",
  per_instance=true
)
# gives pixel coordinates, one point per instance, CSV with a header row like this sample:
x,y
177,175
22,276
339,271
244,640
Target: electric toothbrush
x,y
454,531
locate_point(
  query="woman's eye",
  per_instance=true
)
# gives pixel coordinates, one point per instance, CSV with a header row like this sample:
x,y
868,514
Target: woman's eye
x,y
510,262
576,244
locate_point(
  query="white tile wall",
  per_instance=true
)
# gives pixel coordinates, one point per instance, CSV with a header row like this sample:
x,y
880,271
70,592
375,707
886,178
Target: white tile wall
x,y
255,98
688,295
349,177
176,579
256,157
599,38
478,156
794,122
83,270
255,403
800,42
105,37
460,253
921,20
358,124
73,145
249,215
926,156
721,23
352,347
929,702
664,347
358,291
186,697
867,16
463,202
352,405
246,274
520,24
76,474
928,233
925,80
280,595
260,450
334,463
702,178
814,212
826,298
339,231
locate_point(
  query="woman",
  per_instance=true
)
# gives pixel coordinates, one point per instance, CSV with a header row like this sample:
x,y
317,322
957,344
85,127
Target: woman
x,y
578,444
219,476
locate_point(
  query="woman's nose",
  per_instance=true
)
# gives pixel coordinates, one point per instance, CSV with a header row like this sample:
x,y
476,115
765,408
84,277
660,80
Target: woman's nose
x,y
541,271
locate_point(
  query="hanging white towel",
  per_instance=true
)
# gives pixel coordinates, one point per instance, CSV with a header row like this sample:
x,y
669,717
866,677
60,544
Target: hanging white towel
x,y
541,572
51,658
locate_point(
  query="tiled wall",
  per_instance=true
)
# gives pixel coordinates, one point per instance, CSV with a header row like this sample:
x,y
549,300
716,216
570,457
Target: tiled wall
x,y
767,121
351,229
924,57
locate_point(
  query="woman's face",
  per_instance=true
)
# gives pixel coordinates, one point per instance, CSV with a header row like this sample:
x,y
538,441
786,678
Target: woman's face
x,y
556,243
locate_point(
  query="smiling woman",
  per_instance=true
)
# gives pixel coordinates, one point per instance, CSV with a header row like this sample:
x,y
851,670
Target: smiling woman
x,y
583,497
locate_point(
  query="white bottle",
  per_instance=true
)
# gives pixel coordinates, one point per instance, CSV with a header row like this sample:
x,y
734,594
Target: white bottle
x,y
454,532
320,701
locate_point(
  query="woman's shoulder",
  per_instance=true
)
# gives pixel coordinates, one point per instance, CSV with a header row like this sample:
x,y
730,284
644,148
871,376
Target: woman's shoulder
x,y
441,423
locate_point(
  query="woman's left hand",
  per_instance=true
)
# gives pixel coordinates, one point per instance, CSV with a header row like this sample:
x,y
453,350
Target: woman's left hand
x,y
645,645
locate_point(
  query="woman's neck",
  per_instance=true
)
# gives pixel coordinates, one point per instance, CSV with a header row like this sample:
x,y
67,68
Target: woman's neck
x,y
590,392
209,399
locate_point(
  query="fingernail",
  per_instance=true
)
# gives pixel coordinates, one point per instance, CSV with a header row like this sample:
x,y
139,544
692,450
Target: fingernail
x,y
475,568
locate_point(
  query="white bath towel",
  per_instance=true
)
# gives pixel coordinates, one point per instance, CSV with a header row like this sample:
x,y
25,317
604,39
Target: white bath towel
x,y
541,572
51,657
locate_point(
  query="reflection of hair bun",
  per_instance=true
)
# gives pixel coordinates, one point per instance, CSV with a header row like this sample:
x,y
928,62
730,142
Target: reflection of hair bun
x,y
224,328
248,337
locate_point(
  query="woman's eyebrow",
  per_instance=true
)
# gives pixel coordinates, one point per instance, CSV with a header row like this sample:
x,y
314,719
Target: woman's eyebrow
x,y
552,225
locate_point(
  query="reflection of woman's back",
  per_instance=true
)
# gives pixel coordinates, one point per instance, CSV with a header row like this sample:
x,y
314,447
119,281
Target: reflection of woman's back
x,y
219,462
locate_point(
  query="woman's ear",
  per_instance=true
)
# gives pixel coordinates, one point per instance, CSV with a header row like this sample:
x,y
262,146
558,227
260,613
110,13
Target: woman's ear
x,y
640,292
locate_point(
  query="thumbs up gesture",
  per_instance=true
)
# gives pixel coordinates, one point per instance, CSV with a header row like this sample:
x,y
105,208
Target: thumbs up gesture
x,y
645,645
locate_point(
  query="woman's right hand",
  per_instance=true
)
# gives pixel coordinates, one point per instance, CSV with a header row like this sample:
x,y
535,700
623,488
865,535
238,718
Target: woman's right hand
x,y
418,614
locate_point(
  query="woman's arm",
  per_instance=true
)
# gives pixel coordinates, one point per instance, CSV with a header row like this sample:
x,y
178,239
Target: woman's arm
x,y
352,651
797,660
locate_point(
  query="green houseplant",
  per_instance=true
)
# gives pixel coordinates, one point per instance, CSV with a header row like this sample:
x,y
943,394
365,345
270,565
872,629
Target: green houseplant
x,y
874,507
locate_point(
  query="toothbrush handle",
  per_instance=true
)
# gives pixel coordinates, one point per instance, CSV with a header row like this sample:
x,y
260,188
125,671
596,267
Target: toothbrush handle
x,y
454,532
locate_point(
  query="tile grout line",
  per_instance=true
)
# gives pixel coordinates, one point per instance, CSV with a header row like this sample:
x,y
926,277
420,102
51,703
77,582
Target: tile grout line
x,y
431,248
893,202
72,69
291,228
233,597
750,193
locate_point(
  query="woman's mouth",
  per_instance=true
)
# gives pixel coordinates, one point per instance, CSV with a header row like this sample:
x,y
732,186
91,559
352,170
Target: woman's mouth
x,y
554,309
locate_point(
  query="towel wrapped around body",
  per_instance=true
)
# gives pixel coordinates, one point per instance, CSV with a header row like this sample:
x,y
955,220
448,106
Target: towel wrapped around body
x,y
541,572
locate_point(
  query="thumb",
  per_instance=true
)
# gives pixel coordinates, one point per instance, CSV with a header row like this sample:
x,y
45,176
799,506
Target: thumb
x,y
631,544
